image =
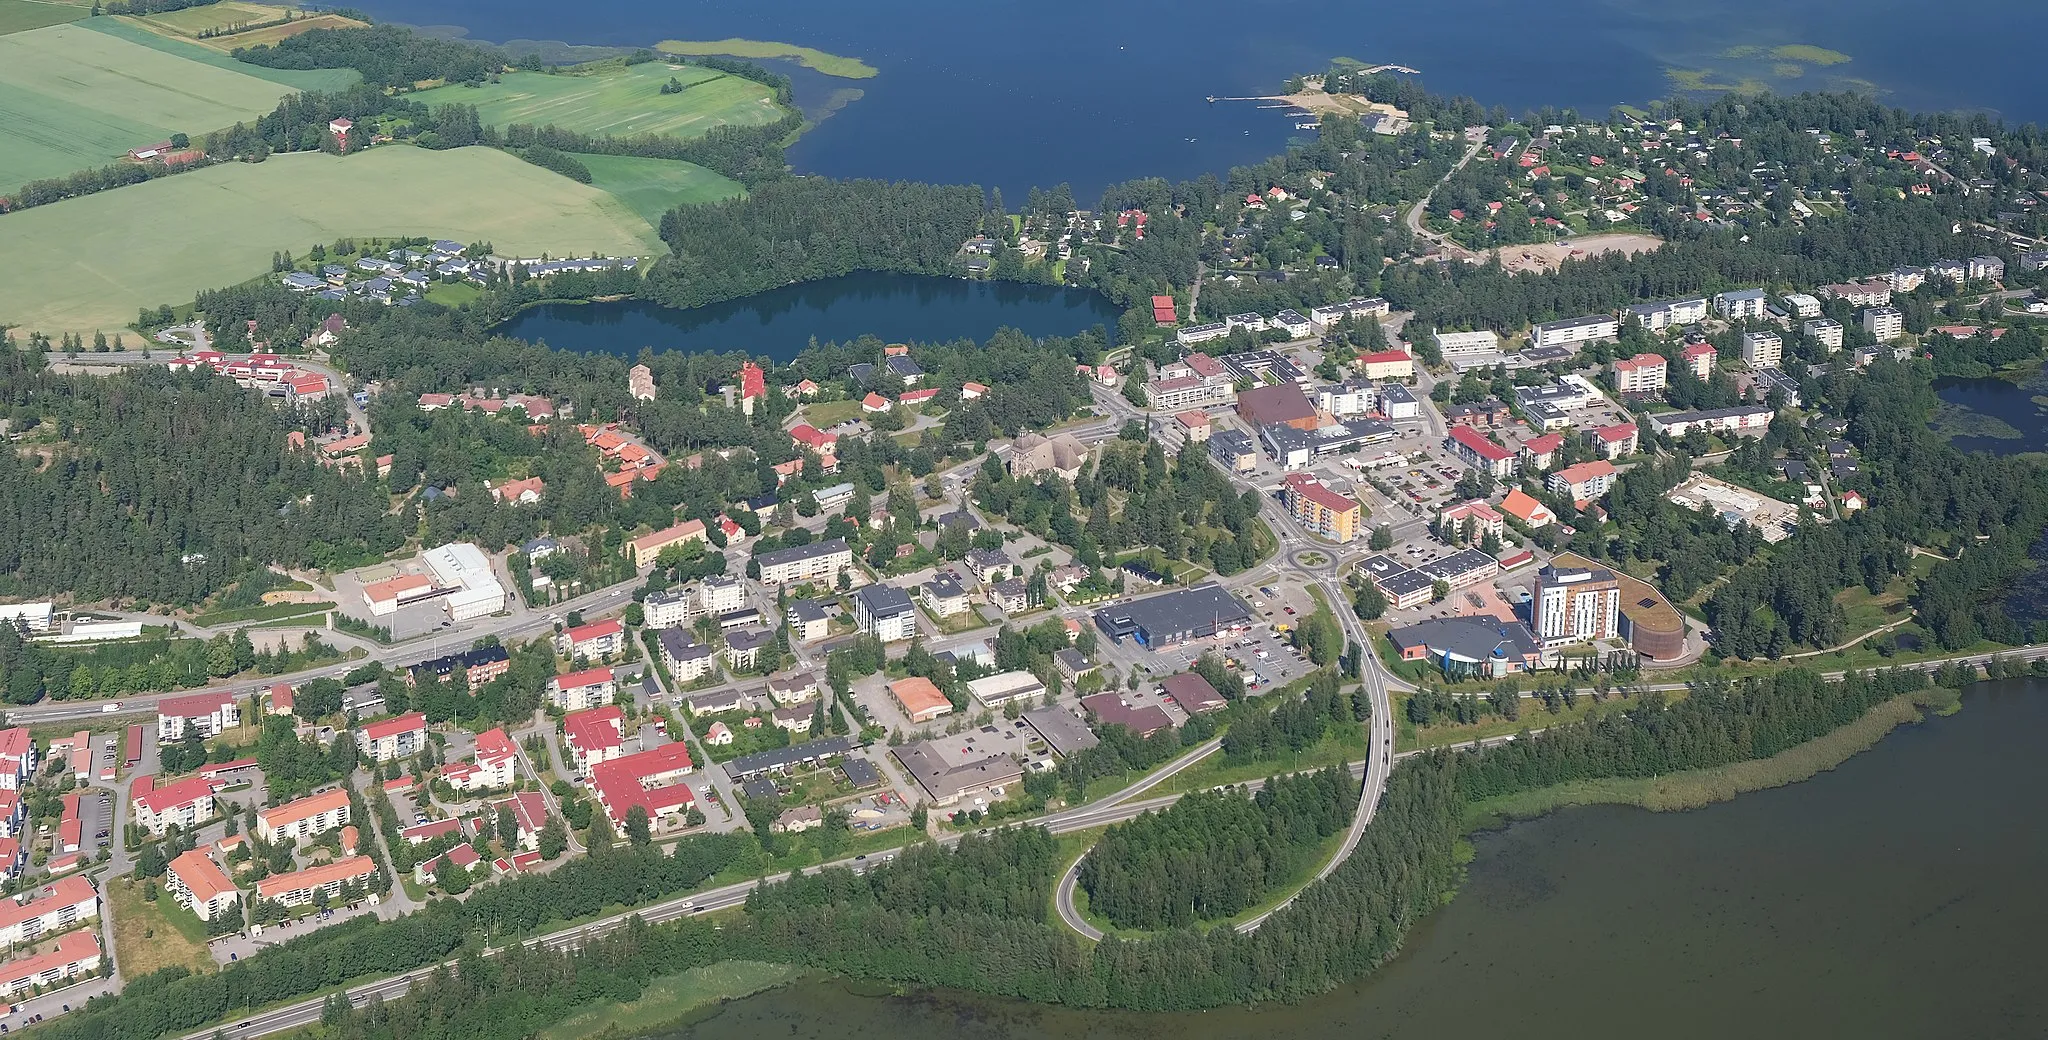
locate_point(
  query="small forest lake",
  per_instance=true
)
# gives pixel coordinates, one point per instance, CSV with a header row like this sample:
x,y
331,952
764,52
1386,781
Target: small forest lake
x,y
1897,895
1994,414
780,323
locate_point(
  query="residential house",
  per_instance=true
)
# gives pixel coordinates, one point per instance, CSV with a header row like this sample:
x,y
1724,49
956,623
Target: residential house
x,y
1641,374
1524,507
593,736
1319,510
183,803
815,562
1480,452
303,818
686,659
944,597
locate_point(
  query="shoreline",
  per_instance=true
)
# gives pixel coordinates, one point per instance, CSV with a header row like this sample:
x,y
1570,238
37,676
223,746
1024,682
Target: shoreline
x,y
809,57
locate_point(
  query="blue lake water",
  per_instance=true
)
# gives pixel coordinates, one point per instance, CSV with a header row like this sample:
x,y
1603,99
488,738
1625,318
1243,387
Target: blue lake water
x,y
781,322
1015,95
1999,416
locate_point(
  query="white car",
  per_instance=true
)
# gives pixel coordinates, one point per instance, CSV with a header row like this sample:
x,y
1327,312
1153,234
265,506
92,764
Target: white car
x,y
109,709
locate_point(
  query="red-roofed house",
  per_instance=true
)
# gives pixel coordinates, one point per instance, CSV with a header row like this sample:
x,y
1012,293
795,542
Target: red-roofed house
x,y
804,389
1164,311
184,803
581,691
435,402
462,857
1480,452
530,811
1485,519
1612,442
492,768
17,757
970,391
650,780
300,887
1524,507
520,492
1540,453
813,438
1583,482
916,397
598,638
282,697
753,386
393,739
874,402
593,736
209,713
305,388
58,906
426,832
199,885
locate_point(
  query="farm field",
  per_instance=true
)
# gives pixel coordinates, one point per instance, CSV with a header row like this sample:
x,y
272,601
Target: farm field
x,y
74,97
194,20
295,79
22,15
274,33
651,187
161,242
616,100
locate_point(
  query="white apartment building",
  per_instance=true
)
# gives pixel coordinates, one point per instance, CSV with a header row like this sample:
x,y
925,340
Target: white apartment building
x,y
1762,349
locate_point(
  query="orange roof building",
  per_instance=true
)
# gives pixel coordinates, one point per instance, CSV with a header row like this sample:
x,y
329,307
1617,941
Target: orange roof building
x,y
920,698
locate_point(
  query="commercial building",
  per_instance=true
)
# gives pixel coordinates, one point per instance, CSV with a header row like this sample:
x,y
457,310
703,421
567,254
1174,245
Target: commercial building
x,y
885,612
1396,402
1576,604
1190,335
1402,585
995,691
593,640
1479,646
303,818
62,904
1745,303
1281,403
1234,450
326,879
1062,730
1294,448
1480,452
1740,419
1575,330
816,562
576,691
1649,623
1642,374
1319,510
950,771
394,738
920,698
75,957
463,568
207,713
1583,482
1172,618
1461,568
183,803
1111,709
1884,323
1801,305
1762,349
385,597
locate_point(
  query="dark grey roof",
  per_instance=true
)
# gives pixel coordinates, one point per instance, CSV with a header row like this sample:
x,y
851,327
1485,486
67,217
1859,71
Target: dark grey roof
x,y
1464,561
759,789
1468,638
801,552
748,638
883,600
903,365
807,610
782,758
1203,608
1063,731
860,772
943,587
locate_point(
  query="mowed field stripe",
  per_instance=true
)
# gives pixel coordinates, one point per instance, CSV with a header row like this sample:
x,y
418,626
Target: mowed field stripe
x,y
100,257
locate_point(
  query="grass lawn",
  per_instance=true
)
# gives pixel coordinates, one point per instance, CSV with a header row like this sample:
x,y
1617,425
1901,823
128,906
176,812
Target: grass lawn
x,y
808,57
669,997
1534,717
617,100
165,240
454,294
23,15
148,936
267,612
827,414
74,97
958,623
652,187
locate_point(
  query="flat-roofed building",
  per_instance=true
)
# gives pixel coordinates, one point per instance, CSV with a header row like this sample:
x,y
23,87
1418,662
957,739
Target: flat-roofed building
x,y
1172,618
1762,349
1884,323
1825,331
1576,604
815,562
1575,330
996,691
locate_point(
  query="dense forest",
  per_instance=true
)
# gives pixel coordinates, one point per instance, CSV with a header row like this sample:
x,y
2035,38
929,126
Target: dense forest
x,y
386,55
159,487
1214,853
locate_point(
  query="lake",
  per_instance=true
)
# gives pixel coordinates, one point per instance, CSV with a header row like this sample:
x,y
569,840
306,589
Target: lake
x,y
781,322
1896,896
1015,95
1990,414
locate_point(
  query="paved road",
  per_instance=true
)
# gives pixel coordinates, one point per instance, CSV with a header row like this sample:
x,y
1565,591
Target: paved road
x,y
1415,212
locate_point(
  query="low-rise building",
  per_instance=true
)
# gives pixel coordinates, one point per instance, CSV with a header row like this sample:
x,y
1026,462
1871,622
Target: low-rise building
x,y
304,818
326,879
1664,314
793,689
593,736
492,769
1613,442
198,884
948,772
1387,364
207,713
1740,419
743,647
648,780
1170,619
1004,688
1480,452
62,904
593,640
74,957
1234,450
648,547
1485,519
1700,358
1478,646
1527,510
394,738
815,562
477,666
1452,344
920,699
1583,482
808,620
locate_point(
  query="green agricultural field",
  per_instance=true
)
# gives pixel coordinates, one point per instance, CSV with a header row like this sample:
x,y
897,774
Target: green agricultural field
x,y
22,15
296,79
100,257
192,21
617,100
73,97
651,187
